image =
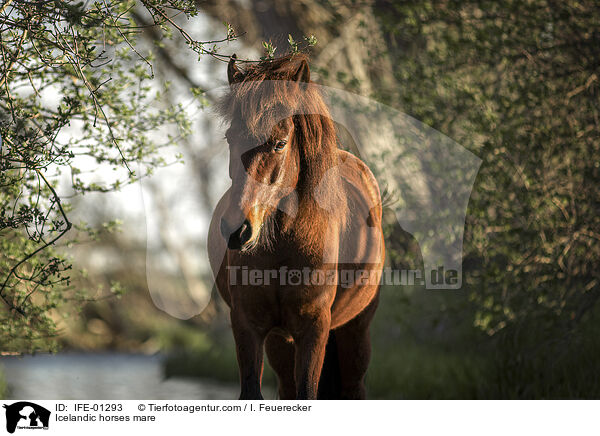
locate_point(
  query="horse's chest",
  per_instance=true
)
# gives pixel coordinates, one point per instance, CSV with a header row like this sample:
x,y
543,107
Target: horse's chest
x,y
275,303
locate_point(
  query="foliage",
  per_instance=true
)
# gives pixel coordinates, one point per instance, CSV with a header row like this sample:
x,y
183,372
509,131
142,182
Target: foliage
x,y
516,83
76,99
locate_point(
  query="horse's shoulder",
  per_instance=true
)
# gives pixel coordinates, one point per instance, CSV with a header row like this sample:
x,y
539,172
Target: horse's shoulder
x,y
362,181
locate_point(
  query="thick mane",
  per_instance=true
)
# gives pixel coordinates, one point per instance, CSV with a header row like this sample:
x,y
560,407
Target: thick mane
x,y
270,92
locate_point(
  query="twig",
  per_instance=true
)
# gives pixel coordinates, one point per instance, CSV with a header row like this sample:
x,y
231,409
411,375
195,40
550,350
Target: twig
x,y
39,249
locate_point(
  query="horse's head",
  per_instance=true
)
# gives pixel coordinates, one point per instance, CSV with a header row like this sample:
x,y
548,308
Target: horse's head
x,y
263,171
264,145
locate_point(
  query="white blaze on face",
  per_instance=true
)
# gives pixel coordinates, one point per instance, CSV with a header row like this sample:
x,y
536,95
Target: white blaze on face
x,y
268,198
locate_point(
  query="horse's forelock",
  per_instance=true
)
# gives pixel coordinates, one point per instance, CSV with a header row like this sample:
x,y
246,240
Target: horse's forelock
x,y
268,93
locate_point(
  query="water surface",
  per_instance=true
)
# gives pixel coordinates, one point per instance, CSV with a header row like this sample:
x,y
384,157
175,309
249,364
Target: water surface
x,y
111,376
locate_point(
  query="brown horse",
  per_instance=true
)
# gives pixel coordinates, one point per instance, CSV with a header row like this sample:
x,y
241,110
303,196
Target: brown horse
x,y
295,244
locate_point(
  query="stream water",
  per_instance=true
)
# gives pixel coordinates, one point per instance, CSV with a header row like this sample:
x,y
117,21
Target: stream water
x,y
109,376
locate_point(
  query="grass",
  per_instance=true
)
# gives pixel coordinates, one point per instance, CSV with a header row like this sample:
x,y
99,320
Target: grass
x,y
413,371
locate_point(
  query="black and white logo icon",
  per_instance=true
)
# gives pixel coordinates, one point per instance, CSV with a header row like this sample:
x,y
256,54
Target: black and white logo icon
x,y
26,415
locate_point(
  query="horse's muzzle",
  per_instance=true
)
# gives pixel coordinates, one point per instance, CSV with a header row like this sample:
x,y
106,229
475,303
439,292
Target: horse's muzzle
x,y
236,239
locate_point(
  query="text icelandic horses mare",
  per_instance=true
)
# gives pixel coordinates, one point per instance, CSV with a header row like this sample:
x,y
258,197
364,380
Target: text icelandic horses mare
x,y
297,204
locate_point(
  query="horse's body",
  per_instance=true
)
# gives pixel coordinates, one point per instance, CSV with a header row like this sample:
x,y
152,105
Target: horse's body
x,y
297,203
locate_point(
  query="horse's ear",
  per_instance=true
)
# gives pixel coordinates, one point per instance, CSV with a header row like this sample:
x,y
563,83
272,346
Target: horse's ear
x,y
302,74
233,72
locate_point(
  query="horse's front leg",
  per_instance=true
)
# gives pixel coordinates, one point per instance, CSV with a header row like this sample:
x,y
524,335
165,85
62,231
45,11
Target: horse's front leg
x,y
311,341
249,344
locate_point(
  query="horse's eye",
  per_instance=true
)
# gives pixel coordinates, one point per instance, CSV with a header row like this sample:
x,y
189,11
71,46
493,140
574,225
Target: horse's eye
x,y
279,145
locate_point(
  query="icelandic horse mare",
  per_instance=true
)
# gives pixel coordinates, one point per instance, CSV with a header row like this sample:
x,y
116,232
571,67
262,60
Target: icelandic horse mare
x,y
296,243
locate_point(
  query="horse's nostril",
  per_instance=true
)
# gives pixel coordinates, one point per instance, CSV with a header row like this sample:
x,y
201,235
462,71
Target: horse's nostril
x,y
245,232
239,237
